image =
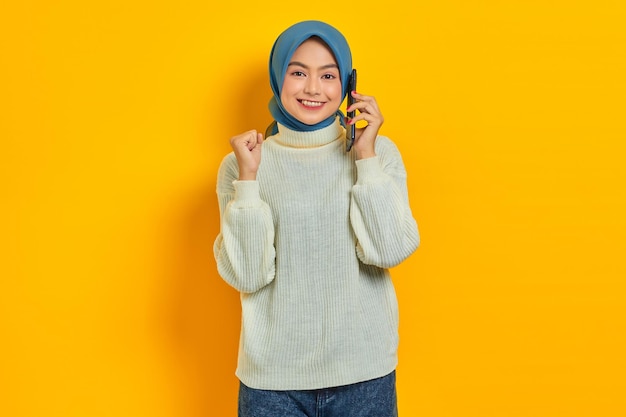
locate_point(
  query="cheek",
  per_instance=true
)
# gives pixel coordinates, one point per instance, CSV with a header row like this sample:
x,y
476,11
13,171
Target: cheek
x,y
287,91
284,96
336,91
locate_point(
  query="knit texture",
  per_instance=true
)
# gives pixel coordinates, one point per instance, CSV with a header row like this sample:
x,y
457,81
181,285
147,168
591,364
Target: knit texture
x,y
307,245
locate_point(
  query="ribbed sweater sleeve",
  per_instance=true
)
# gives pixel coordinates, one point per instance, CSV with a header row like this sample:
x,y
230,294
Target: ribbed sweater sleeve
x,y
244,249
379,212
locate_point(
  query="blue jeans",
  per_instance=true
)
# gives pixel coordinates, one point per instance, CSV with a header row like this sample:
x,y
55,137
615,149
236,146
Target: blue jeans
x,y
375,398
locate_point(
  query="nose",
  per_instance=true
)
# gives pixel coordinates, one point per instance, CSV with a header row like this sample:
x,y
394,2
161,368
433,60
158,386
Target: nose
x,y
312,86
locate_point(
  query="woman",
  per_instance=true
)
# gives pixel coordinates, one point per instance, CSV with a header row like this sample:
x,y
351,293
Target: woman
x,y
308,231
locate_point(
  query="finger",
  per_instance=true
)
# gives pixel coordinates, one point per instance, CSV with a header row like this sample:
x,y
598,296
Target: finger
x,y
359,96
363,97
371,119
251,139
365,107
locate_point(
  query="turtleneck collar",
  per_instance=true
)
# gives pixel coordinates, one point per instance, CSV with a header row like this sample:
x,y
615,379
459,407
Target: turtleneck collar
x,y
311,139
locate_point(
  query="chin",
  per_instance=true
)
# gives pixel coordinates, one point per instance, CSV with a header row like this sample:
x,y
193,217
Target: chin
x,y
311,122
314,120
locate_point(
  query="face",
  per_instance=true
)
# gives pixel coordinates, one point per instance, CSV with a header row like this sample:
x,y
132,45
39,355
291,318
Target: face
x,y
312,86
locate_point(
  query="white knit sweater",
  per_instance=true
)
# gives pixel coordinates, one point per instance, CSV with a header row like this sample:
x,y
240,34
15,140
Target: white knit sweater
x,y
307,244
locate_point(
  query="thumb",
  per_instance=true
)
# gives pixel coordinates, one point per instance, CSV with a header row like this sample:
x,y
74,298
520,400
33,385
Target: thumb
x,y
259,138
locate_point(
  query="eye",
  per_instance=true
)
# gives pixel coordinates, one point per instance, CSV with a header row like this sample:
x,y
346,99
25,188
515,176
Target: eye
x,y
298,74
328,76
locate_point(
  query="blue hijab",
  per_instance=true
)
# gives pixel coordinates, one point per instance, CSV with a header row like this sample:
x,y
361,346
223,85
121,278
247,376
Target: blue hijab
x,y
281,54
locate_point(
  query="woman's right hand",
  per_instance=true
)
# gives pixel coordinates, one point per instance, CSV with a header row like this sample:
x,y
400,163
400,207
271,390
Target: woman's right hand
x,y
247,147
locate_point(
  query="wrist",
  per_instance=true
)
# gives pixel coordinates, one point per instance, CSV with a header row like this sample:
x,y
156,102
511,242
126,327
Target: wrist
x,y
365,154
247,174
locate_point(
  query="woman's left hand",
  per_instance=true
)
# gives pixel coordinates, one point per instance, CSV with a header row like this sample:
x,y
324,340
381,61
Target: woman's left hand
x,y
366,136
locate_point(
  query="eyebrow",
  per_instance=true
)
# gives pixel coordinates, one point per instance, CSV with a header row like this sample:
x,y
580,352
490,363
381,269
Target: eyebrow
x,y
300,64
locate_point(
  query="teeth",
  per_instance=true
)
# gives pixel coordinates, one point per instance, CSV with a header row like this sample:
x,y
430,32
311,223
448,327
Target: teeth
x,y
311,103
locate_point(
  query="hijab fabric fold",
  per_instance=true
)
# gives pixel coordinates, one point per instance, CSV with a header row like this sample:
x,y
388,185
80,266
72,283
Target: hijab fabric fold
x,y
282,51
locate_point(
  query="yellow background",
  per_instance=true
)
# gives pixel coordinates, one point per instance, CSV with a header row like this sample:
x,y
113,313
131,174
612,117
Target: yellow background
x,y
115,115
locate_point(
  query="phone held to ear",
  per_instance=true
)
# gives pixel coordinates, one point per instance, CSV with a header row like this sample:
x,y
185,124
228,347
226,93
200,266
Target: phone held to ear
x,y
351,129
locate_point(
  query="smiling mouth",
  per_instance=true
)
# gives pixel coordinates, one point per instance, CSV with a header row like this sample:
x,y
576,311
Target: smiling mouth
x,y
309,103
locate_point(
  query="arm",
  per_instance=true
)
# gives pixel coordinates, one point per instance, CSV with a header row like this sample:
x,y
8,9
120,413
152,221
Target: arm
x,y
379,212
244,249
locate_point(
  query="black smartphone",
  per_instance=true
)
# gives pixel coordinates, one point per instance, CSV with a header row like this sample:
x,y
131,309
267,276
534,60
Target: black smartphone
x,y
351,129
